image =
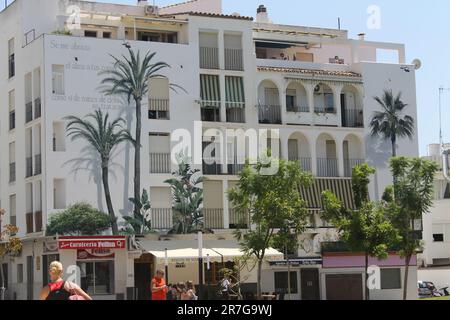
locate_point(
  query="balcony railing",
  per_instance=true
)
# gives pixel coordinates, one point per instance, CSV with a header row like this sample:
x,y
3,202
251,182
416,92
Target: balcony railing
x,y
327,167
209,58
239,220
234,60
349,164
29,167
305,163
213,218
322,109
297,109
38,221
162,219
37,108
269,114
37,164
235,168
236,115
29,222
12,172
28,112
160,163
353,119
210,113
211,168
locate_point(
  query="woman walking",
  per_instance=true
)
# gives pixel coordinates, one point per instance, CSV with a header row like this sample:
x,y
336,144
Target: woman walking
x,y
190,291
59,289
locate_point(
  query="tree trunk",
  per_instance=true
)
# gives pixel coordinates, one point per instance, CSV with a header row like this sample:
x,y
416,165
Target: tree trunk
x,y
112,215
258,283
2,276
137,155
394,147
367,276
405,280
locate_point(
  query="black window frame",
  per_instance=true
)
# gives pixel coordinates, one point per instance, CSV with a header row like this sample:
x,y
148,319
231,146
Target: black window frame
x,y
391,286
438,237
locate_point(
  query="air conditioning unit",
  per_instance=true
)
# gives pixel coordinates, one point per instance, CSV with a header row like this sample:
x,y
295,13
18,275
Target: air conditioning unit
x,y
151,10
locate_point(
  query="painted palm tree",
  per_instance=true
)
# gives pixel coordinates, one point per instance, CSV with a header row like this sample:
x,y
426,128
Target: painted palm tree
x,y
103,136
129,76
389,123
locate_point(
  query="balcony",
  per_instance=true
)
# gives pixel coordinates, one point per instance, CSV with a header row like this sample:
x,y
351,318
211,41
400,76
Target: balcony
x,y
211,168
28,112
160,163
38,221
162,219
209,58
159,109
213,218
210,112
28,167
234,60
305,163
349,164
12,172
297,109
239,220
37,108
327,167
37,164
269,114
353,118
235,115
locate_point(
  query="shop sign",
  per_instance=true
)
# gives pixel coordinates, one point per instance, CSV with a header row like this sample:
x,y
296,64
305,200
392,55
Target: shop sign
x,y
89,254
180,265
297,262
51,246
75,243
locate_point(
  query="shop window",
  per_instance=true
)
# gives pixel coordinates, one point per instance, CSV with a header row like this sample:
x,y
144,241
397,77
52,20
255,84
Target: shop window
x,y
391,279
97,278
281,282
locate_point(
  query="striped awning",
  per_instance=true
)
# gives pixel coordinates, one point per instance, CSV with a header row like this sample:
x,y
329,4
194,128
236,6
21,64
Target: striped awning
x,y
234,89
158,105
342,188
209,91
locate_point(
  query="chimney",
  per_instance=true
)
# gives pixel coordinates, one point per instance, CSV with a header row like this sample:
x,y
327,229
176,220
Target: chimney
x,y
142,3
362,36
262,15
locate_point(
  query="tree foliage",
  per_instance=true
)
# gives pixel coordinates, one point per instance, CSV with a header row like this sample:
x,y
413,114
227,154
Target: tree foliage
x,y
140,223
78,219
187,198
274,204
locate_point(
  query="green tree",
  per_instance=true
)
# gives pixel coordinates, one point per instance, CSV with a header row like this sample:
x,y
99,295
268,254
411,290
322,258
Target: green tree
x,y
78,219
103,136
139,224
366,229
130,76
389,123
408,201
9,244
187,198
273,202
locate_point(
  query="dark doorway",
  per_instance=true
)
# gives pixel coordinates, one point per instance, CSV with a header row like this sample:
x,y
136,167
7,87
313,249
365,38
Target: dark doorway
x,y
343,110
30,277
143,274
310,284
344,287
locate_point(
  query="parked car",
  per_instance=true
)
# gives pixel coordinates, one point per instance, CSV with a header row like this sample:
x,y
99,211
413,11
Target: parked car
x,y
427,289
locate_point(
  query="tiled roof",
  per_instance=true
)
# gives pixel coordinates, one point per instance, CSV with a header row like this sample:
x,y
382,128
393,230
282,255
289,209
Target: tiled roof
x,y
214,15
314,72
178,4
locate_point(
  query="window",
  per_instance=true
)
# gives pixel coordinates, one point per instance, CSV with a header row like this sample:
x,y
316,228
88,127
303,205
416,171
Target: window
x,y
391,279
107,35
329,102
291,97
281,282
12,209
20,273
303,56
11,59
90,33
97,278
12,162
12,111
210,98
438,237
167,37
438,232
158,106
58,79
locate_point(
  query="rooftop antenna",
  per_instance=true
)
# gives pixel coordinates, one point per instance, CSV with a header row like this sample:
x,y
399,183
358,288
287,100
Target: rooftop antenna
x,y
441,89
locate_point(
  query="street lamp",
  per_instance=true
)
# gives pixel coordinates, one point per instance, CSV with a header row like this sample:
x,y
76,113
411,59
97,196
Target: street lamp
x,y
166,265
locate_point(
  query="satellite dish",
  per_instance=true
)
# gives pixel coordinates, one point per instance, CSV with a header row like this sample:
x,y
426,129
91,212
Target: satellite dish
x,y
417,63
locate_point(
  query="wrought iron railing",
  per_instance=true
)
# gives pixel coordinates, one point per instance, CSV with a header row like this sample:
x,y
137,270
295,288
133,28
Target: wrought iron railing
x,y
327,167
353,118
160,163
234,59
349,164
269,114
213,218
304,109
209,58
161,219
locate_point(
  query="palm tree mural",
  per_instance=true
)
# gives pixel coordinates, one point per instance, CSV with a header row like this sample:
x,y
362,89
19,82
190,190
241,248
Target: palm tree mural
x,y
129,76
390,123
103,136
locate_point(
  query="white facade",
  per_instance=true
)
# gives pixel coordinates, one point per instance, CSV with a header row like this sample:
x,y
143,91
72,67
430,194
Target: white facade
x,y
324,123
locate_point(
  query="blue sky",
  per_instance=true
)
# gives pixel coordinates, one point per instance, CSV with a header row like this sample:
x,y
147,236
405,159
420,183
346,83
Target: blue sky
x,y
422,25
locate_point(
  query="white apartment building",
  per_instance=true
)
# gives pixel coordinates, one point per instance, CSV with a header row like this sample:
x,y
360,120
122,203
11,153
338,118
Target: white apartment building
x,y
314,85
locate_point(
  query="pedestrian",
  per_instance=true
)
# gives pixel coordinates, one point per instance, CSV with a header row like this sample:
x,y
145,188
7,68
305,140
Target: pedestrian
x,y
190,291
158,286
183,291
59,289
225,285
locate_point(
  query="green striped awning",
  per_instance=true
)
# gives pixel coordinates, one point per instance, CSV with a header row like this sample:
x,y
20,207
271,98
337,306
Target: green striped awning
x,y
234,89
209,91
342,188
